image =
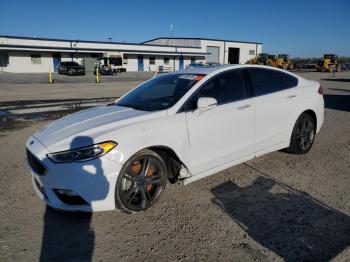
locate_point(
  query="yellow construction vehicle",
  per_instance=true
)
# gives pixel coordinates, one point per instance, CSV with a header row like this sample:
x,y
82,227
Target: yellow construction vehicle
x,y
271,60
256,60
284,62
261,59
328,63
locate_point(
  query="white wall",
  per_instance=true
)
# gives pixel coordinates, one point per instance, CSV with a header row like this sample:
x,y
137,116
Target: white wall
x,y
159,61
244,48
132,64
20,62
243,54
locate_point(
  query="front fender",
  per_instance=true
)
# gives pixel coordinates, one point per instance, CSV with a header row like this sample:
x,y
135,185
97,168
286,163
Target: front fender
x,y
170,132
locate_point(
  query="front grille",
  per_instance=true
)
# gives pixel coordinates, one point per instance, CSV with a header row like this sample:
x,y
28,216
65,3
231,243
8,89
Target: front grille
x,y
35,164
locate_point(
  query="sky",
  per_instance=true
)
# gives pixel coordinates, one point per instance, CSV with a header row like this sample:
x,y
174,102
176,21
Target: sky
x,y
301,28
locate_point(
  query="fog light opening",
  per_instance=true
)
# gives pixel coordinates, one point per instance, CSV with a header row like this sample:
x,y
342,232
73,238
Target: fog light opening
x,y
69,197
41,188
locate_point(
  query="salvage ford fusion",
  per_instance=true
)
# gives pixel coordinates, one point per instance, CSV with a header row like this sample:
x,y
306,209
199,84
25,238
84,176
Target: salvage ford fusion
x,y
180,126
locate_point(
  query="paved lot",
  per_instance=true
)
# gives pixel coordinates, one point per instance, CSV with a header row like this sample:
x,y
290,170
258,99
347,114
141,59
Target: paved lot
x,y
33,87
277,207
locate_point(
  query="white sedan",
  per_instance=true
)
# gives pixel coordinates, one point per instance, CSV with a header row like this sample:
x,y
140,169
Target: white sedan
x,y
180,126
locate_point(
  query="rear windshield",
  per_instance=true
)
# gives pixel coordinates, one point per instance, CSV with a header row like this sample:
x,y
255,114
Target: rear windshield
x,y
159,93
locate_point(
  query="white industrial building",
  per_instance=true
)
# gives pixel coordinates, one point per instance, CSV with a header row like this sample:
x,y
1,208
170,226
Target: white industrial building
x,y
34,55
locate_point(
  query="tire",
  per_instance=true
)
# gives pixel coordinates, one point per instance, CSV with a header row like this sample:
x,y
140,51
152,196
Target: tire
x,y
141,182
303,135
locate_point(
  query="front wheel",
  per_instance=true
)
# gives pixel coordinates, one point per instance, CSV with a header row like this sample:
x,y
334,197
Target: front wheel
x,y
141,182
303,135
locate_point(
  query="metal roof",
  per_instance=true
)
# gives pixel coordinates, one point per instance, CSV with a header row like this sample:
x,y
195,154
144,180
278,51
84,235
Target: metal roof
x,y
202,38
98,50
84,41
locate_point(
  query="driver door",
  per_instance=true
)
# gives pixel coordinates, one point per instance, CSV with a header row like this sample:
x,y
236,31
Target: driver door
x,y
225,132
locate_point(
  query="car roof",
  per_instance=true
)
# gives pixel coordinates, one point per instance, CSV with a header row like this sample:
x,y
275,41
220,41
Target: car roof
x,y
212,69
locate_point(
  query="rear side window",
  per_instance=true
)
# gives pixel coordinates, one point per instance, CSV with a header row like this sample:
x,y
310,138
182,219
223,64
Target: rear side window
x,y
266,81
290,81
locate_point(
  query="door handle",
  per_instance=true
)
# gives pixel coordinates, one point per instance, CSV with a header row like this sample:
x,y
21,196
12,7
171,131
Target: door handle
x,y
291,96
243,107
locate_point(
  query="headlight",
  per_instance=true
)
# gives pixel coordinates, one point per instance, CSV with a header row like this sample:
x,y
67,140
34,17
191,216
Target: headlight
x,y
83,153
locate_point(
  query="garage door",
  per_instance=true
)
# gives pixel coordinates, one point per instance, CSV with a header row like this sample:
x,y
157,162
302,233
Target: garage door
x,y
213,57
89,63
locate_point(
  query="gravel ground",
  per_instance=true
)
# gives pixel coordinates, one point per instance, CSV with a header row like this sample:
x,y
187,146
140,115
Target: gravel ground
x,y
276,207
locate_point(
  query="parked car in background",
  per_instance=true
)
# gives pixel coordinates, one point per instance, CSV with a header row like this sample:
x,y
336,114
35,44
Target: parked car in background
x,y
105,70
194,65
180,126
212,64
71,68
345,66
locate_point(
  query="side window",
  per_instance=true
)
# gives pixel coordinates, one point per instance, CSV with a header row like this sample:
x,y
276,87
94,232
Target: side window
x,y
266,81
229,87
290,81
225,88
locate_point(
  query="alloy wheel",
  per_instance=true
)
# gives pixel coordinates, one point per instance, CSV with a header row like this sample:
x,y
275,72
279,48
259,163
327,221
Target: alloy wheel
x,y
142,183
305,134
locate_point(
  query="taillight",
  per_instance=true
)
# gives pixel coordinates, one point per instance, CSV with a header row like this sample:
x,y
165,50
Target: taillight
x,y
320,90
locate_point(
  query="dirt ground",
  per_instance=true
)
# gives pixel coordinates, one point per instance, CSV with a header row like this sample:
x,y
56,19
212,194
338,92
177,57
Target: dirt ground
x,y
276,207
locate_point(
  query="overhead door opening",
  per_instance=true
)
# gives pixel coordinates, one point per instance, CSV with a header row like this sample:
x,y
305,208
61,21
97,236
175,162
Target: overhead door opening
x,y
213,57
233,55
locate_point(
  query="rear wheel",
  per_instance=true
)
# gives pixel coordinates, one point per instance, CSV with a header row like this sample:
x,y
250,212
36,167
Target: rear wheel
x,y
303,135
141,182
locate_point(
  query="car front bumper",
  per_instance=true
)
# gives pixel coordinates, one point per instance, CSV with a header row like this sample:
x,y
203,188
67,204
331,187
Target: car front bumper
x,y
93,182
77,73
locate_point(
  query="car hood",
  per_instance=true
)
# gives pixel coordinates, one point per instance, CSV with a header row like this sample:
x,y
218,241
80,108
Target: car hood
x,y
89,126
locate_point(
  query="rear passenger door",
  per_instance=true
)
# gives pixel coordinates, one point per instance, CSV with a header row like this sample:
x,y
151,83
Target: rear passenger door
x,y
275,101
225,132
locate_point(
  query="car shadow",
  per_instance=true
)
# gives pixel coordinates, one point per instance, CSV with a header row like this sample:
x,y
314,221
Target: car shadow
x,y
337,102
67,236
336,79
290,223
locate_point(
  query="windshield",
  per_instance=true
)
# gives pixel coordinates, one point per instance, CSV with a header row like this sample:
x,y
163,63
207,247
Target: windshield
x,y
159,93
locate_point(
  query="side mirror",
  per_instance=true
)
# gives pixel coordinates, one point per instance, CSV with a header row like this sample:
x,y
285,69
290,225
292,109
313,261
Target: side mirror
x,y
206,103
